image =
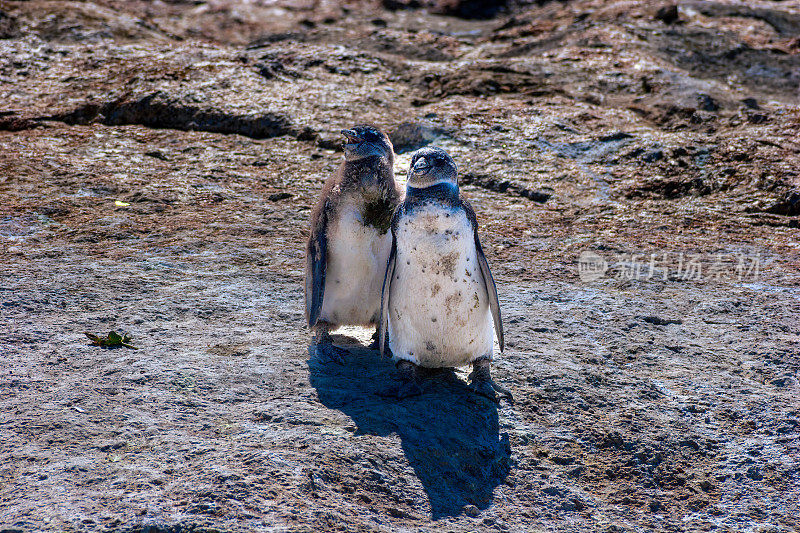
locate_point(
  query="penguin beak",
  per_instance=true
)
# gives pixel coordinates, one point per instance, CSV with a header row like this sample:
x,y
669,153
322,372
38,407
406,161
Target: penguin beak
x,y
352,136
422,166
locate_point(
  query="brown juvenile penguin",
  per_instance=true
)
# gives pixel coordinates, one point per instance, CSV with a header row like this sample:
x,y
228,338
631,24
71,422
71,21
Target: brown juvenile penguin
x,y
349,242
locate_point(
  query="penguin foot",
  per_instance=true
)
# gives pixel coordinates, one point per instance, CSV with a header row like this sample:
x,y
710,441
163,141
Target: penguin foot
x,y
329,353
481,383
490,389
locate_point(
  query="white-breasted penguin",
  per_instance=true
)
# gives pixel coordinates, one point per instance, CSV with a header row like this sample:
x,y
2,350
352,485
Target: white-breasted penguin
x,y
439,301
349,242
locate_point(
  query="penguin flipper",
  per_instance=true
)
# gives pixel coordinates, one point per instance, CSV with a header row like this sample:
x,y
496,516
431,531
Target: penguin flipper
x,y
316,263
383,321
491,292
486,274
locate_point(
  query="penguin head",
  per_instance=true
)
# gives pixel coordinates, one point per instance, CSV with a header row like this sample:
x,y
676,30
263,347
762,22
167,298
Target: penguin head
x,y
365,141
431,166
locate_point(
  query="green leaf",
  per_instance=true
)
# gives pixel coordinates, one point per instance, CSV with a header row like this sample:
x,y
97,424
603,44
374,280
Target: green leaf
x,y
113,339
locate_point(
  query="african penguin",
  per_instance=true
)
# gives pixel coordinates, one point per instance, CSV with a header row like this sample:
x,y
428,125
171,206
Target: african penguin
x,y
439,301
349,241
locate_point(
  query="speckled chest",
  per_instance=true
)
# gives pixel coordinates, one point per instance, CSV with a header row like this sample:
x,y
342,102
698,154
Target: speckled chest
x,y
436,267
438,309
436,238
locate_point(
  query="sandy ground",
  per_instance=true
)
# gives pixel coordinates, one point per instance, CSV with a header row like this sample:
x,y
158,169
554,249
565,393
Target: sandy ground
x,y
157,167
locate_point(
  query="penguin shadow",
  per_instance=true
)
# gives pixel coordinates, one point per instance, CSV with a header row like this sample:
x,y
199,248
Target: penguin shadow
x,y
449,436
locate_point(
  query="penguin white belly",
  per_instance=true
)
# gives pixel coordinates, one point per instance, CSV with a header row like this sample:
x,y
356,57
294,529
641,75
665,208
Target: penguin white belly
x,y
356,264
439,312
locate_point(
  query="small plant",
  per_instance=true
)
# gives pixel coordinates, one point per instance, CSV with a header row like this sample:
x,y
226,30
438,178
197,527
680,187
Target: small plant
x,y
112,340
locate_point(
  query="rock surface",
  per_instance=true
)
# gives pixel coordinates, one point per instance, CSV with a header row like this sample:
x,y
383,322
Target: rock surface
x,y
635,170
